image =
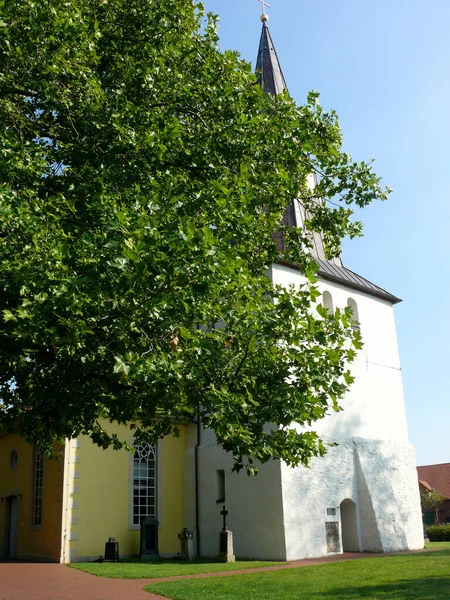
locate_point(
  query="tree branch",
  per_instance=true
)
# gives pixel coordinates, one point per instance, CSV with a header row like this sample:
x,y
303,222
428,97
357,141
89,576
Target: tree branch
x,y
243,359
17,91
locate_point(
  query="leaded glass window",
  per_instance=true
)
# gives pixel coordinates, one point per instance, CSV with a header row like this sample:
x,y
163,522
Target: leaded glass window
x,y
38,486
144,482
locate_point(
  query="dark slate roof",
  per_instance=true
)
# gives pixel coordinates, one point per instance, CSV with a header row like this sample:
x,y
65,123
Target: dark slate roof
x,y
342,275
294,216
268,69
271,78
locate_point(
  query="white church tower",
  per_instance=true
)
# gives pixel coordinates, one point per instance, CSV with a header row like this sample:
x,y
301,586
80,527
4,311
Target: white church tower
x,y
363,495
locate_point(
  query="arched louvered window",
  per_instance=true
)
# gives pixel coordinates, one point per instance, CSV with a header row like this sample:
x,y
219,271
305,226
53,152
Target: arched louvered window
x,y
327,301
355,316
144,482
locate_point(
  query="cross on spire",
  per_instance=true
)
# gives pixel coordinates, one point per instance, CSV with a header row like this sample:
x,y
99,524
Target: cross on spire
x,y
264,16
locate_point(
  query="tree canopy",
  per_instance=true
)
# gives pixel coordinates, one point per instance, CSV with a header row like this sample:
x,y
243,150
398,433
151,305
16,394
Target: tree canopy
x,y
142,175
432,500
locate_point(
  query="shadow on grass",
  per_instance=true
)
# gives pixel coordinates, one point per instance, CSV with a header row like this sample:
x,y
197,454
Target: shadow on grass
x,y
427,588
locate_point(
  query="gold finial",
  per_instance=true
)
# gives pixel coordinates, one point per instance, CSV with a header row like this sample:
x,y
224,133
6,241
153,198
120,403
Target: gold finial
x,y
264,16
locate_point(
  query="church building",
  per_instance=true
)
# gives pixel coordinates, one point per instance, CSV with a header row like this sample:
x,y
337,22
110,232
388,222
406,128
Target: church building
x,y
362,496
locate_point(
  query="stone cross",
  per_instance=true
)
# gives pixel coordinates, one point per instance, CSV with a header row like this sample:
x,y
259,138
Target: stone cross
x,y
226,553
264,4
224,513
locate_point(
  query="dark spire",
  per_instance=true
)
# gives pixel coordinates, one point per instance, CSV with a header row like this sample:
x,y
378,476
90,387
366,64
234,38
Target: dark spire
x,y
268,69
271,78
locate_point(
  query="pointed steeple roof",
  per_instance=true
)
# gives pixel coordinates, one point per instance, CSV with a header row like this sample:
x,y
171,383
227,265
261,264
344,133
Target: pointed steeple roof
x,y
268,68
270,77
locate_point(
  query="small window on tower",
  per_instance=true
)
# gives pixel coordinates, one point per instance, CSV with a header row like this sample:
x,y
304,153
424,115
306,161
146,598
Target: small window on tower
x,y
220,485
327,301
355,317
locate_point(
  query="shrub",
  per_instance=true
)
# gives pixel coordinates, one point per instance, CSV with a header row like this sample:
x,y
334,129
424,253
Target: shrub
x,y
438,533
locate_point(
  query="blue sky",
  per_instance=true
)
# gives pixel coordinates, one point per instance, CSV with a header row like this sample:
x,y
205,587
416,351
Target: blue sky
x,y
384,66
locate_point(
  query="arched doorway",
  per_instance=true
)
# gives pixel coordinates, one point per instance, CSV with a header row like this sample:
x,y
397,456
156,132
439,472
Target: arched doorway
x,y
11,526
349,524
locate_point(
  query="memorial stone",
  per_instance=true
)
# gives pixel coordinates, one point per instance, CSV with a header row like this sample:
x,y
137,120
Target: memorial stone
x,y
186,538
226,553
149,538
111,550
333,538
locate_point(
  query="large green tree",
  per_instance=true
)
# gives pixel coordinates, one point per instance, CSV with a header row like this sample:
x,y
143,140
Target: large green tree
x,y
142,173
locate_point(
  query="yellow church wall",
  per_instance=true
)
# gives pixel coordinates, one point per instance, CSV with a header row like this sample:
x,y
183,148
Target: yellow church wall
x,y
100,497
43,541
171,514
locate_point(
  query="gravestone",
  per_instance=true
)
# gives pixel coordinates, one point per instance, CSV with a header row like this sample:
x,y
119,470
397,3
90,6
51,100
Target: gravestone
x,y
333,539
226,553
111,550
186,538
149,538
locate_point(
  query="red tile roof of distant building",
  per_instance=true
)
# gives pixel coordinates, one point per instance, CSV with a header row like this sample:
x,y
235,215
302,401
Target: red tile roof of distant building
x,y
436,476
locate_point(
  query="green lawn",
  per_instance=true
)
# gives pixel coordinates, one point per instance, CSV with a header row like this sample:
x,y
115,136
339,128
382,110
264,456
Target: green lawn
x,y
134,569
424,576
437,545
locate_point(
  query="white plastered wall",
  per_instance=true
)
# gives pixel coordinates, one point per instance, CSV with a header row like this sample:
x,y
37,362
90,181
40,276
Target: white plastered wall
x,y
378,476
254,504
308,493
281,515
373,464
374,408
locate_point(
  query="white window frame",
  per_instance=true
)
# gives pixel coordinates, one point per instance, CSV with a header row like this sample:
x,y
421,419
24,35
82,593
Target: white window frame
x,y
38,489
131,525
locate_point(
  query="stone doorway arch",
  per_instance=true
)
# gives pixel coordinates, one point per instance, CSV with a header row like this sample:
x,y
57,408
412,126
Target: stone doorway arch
x,y
349,526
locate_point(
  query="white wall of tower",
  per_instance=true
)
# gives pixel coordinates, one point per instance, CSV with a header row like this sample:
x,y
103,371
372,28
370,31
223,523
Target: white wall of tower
x,y
374,408
282,514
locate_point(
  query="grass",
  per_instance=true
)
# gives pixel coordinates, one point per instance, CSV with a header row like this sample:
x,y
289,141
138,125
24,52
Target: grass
x,y
134,569
422,576
437,545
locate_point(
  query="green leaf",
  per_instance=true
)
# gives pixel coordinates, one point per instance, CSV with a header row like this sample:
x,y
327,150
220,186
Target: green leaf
x,y
120,262
120,366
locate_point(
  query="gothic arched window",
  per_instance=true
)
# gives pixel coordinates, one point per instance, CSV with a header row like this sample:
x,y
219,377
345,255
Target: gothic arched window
x,y
144,482
327,301
38,486
355,316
